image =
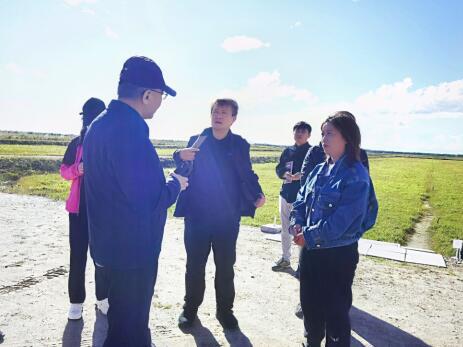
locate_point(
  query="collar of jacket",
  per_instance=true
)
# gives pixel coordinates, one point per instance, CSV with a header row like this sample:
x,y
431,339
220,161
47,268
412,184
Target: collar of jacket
x,y
303,147
341,163
122,109
208,132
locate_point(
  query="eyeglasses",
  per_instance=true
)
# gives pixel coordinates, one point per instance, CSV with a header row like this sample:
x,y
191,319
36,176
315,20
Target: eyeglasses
x,y
163,93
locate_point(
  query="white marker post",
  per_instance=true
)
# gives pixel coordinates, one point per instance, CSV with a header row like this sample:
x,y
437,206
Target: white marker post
x,y
458,246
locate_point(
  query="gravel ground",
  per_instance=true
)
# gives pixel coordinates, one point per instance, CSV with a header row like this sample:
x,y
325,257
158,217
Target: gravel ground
x,y
394,303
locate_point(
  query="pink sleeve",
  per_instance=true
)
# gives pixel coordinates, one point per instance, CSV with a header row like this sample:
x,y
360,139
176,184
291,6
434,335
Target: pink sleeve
x,y
69,172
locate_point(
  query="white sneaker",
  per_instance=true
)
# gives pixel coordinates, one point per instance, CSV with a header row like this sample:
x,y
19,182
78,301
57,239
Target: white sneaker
x,y
103,306
75,311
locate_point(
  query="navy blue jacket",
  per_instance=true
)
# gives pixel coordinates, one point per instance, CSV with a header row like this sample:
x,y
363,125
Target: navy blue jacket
x,y
314,156
248,182
296,154
127,193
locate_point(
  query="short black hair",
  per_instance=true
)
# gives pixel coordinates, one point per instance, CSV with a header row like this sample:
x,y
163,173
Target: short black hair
x,y
129,91
226,102
302,125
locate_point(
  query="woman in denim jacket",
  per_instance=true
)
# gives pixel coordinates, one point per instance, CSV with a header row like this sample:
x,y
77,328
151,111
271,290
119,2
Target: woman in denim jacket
x,y
333,209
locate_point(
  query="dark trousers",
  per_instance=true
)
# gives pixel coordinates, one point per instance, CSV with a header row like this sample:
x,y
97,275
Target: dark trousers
x,y
130,294
78,242
326,277
199,239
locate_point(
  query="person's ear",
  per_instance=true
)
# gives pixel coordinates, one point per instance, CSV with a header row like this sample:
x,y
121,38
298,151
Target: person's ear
x,y
146,97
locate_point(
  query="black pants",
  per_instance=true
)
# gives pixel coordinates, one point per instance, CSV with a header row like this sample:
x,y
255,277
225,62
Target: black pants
x,y
199,239
78,242
130,294
326,293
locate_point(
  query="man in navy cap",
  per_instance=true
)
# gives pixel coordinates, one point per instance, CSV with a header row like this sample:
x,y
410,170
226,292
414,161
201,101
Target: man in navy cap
x,y
127,199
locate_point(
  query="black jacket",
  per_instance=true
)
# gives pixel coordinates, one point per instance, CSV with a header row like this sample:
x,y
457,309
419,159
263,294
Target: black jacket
x,y
296,154
248,182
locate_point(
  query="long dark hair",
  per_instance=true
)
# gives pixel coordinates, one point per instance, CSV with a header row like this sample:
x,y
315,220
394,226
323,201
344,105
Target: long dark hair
x,y
86,121
83,131
345,123
91,109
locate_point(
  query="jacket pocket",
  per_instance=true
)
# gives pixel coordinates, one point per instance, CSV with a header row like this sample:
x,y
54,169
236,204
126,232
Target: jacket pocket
x,y
328,201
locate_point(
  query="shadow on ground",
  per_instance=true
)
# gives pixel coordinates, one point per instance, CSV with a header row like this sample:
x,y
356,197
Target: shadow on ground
x,y
204,337
378,332
72,334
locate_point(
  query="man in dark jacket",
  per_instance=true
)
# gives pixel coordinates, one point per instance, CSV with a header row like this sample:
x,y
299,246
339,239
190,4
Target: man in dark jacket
x,y
222,188
127,200
289,170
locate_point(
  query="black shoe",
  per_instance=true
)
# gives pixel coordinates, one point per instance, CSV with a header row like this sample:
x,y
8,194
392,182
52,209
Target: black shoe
x,y
186,319
227,320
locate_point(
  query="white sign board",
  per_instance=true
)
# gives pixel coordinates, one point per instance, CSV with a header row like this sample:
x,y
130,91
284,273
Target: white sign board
x,y
458,244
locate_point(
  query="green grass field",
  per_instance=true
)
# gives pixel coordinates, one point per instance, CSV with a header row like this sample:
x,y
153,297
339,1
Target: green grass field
x,y
32,150
446,198
47,185
22,150
401,185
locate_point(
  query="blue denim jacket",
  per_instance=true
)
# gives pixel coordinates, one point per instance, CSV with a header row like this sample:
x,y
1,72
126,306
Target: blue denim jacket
x,y
335,210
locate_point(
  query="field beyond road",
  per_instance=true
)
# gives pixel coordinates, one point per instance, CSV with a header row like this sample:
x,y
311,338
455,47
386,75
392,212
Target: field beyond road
x,y
403,186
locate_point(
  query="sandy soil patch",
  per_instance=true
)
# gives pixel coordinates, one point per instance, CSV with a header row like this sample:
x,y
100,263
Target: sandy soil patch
x,y
394,303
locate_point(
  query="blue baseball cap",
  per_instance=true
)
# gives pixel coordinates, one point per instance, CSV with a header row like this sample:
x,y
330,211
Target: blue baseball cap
x,y
144,72
93,107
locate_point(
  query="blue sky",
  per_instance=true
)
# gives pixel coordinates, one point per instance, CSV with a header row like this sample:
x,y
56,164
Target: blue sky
x,y
395,64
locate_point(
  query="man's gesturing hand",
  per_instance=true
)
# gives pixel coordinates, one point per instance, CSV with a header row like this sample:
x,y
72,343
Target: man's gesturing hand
x,y
260,201
181,179
188,154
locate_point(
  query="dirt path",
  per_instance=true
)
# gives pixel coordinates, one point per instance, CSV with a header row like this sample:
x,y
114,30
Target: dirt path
x,y
421,237
395,304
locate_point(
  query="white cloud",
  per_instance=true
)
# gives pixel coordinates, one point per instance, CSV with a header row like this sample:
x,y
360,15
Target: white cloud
x,y
18,70
110,33
266,87
14,69
78,2
296,25
88,11
436,101
242,43
392,117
